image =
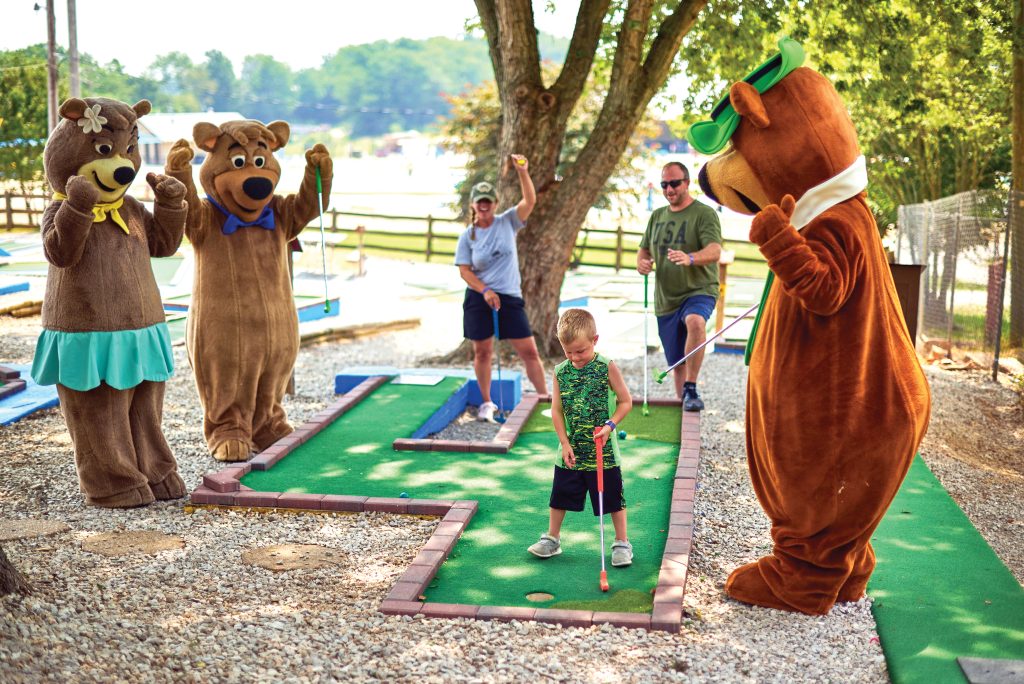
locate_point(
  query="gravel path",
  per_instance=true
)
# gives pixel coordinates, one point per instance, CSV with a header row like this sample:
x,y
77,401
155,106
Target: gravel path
x,y
198,613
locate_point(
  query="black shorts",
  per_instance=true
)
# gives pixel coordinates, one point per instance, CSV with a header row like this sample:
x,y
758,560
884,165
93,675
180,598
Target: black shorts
x,y
478,321
570,487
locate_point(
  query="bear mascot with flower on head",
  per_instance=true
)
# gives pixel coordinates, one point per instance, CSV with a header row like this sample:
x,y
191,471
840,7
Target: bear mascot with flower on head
x,y
243,329
837,403
104,341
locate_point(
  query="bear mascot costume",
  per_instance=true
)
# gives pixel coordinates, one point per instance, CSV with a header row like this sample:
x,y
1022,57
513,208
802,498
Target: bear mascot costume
x,y
104,341
837,402
243,329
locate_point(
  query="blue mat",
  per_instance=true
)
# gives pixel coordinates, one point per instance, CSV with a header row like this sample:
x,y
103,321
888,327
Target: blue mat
x,y
33,398
7,286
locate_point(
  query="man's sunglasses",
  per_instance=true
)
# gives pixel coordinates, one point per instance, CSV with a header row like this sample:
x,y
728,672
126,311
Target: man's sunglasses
x,y
674,183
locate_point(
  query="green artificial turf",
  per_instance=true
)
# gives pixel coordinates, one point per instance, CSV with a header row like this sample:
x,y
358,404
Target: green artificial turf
x,y
939,590
353,455
490,564
662,425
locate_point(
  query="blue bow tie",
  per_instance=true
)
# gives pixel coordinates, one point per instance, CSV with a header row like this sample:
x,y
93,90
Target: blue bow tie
x,y
233,223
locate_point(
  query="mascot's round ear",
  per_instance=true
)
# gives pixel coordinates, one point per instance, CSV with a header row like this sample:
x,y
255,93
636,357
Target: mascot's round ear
x,y
747,102
73,109
142,108
205,135
282,131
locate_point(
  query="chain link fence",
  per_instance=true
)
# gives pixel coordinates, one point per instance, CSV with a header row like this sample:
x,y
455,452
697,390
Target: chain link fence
x,y
962,245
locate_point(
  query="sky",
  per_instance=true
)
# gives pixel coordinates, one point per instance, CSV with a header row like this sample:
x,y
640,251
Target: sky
x,y
299,33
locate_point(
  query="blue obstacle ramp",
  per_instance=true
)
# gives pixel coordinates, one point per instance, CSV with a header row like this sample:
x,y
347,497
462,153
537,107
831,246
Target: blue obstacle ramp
x,y
31,399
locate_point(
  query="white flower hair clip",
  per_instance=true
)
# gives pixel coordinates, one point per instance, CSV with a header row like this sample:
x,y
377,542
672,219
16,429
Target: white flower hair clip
x,y
91,121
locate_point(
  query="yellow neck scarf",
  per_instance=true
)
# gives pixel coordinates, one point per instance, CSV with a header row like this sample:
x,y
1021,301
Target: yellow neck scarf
x,y
100,211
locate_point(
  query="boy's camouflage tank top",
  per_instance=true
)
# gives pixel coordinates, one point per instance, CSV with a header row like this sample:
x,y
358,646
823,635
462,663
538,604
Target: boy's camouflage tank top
x,y
587,402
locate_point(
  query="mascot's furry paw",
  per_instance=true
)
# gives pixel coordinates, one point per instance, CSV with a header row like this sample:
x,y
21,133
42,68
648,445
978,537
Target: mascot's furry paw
x,y
746,584
771,220
232,450
171,487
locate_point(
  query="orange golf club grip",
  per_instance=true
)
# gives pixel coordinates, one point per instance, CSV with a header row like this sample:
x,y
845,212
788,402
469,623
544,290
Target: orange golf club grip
x,y
600,461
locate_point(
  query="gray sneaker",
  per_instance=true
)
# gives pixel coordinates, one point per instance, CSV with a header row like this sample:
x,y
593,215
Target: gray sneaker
x,y
622,554
547,547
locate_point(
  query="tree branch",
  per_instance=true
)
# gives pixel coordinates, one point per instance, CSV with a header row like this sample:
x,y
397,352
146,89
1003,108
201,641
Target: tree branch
x,y
666,45
580,57
629,49
517,44
489,20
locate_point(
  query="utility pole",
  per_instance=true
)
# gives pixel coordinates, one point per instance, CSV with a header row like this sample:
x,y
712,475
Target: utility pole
x,y
76,90
51,67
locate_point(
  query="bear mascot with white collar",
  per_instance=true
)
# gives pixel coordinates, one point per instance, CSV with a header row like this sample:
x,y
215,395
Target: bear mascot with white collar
x,y
837,403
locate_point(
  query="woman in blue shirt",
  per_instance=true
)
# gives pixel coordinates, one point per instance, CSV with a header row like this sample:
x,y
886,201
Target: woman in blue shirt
x,y
489,263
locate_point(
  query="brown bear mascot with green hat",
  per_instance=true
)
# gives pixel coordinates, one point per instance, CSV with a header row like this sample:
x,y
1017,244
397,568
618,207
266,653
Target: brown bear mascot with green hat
x,y
104,341
837,403
243,329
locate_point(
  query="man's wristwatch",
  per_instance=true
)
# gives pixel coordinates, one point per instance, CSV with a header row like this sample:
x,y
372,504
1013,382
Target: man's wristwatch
x,y
691,258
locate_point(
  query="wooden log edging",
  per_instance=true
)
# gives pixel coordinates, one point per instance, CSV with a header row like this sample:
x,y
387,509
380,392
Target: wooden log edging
x,y
406,596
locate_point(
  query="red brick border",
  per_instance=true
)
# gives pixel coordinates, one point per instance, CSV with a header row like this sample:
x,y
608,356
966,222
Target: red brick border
x,y
223,488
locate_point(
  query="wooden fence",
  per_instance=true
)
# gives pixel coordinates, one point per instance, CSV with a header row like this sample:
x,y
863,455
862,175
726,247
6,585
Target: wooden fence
x,y
430,238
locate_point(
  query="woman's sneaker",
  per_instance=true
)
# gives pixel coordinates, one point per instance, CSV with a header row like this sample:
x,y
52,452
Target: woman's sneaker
x,y
486,412
622,554
547,547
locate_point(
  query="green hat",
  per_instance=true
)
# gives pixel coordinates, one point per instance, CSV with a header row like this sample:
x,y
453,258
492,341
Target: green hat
x,y
709,137
482,190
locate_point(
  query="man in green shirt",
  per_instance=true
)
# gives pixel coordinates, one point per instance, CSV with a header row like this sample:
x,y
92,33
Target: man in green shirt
x,y
682,244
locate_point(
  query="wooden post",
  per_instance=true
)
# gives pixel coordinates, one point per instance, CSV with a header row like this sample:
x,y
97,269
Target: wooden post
x,y
727,257
76,90
360,231
618,248
430,235
8,201
51,67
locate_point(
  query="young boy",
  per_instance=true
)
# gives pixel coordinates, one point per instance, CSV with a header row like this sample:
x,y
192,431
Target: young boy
x,y
589,393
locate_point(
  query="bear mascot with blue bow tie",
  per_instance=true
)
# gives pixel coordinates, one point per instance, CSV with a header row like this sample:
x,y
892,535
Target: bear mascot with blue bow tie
x,y
837,403
243,330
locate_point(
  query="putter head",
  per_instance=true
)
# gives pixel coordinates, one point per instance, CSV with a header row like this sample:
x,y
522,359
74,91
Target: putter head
x,y
659,377
604,580
646,410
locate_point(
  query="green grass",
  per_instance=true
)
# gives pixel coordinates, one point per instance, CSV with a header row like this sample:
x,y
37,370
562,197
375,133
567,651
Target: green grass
x,y
490,565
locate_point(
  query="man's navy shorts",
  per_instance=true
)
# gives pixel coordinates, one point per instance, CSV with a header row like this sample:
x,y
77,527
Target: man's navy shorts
x,y
569,489
478,321
672,327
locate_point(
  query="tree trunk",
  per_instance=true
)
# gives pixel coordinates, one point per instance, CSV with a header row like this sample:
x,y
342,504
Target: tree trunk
x,y
534,119
11,580
1017,182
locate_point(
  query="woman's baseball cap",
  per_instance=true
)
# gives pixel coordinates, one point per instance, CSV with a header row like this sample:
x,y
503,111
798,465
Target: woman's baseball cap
x,y
482,190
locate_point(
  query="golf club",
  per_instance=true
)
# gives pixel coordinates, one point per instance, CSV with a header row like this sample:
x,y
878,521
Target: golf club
x,y
599,443
497,357
323,239
660,377
645,410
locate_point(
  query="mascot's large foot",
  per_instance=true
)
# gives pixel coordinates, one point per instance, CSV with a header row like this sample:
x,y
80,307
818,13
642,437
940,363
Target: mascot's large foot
x,y
140,496
853,590
232,450
171,487
746,584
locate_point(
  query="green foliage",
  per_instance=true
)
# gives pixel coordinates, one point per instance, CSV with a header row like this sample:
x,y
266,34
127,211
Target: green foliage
x,y
926,84
22,114
474,126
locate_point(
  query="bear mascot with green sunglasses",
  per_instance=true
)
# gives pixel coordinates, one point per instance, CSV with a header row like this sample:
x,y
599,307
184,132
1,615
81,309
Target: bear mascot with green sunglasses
x,y
837,403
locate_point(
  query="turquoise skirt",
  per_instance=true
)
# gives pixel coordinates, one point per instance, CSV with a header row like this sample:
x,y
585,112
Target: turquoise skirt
x,y
122,358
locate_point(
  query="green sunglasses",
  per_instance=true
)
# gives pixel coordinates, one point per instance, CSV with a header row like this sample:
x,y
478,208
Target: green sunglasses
x,y
709,137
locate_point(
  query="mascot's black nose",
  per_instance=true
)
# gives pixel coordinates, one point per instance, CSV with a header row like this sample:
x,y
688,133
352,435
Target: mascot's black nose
x,y
124,175
705,186
258,188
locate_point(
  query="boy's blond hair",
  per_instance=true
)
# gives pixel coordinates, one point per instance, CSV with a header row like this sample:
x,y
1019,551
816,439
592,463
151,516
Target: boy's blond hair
x,y
575,324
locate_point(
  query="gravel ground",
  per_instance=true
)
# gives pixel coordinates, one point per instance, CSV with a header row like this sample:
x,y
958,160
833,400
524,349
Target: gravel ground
x,y
198,614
